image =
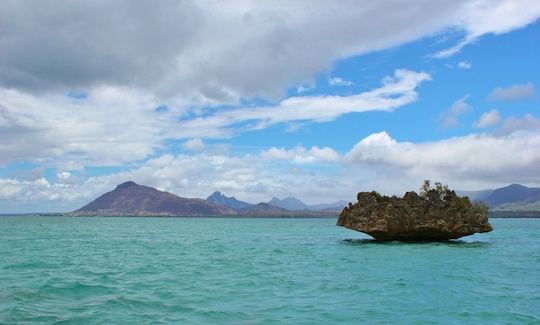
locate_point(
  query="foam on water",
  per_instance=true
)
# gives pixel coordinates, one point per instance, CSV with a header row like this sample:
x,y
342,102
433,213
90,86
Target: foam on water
x,y
298,271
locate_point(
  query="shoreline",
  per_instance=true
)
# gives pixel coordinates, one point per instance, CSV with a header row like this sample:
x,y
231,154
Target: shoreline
x,y
45,215
492,215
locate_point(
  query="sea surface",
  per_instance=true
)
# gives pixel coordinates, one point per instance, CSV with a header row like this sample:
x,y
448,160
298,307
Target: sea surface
x,y
61,270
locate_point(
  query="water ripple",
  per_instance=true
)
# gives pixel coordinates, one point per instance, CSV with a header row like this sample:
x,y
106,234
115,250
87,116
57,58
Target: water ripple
x,y
260,271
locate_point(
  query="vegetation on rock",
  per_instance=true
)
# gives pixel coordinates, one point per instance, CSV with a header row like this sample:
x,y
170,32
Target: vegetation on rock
x,y
435,214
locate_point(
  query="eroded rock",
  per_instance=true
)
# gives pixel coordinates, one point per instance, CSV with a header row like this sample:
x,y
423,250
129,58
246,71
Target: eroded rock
x,y
433,216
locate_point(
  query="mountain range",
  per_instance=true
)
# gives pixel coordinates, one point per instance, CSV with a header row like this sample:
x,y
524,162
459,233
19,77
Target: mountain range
x,y
131,199
294,204
289,204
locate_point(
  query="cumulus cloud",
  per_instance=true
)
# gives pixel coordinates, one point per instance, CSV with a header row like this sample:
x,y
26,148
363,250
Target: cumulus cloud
x,y
514,92
488,119
377,162
450,117
336,81
476,158
194,144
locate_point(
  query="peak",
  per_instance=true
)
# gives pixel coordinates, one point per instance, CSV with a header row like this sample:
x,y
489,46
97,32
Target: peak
x,y
127,184
216,194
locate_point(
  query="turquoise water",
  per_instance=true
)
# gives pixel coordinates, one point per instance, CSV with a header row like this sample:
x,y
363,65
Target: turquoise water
x,y
260,271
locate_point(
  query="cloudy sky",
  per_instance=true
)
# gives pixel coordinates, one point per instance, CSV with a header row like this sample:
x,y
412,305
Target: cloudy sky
x,y
313,99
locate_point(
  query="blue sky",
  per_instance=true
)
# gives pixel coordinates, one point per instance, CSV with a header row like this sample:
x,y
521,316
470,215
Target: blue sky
x,y
277,103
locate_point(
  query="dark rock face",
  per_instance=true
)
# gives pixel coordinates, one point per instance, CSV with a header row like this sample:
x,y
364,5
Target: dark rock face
x,y
432,217
131,199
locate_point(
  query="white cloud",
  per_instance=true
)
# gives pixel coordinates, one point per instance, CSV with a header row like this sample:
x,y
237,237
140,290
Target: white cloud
x,y
513,124
114,126
303,89
465,65
514,92
474,159
302,155
479,18
294,127
450,117
396,91
64,175
194,144
377,162
488,119
336,81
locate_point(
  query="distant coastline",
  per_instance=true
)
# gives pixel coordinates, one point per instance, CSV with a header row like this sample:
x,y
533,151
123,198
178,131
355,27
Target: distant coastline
x,y
514,214
232,216
329,215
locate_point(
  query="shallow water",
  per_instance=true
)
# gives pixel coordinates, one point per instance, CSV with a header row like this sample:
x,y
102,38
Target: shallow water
x,y
260,271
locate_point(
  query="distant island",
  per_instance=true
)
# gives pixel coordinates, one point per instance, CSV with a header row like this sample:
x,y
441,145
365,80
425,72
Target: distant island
x,y
132,199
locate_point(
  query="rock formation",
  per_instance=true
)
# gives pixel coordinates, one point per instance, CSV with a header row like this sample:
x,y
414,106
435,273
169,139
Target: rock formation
x,y
433,216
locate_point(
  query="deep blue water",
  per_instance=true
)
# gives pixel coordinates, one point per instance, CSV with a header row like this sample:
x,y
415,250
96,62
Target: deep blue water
x,y
260,271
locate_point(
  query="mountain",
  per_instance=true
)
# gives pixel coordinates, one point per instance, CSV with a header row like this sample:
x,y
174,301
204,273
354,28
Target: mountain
x,y
335,206
267,210
263,209
513,197
131,199
289,203
294,204
513,194
231,202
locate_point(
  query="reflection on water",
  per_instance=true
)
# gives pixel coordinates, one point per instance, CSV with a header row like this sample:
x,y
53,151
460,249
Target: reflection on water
x,y
453,243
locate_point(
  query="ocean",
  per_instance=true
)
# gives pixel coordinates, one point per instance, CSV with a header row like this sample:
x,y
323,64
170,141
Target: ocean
x,y
62,270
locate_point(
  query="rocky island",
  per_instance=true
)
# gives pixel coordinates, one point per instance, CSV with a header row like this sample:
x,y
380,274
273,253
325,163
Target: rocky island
x,y
434,215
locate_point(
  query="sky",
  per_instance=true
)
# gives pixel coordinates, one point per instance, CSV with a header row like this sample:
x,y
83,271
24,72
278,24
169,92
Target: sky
x,y
260,99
